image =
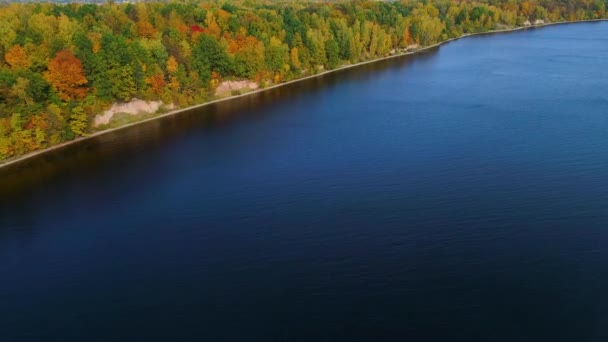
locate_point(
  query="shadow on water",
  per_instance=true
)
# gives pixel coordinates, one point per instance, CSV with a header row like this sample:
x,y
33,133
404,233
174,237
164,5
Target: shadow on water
x,y
117,148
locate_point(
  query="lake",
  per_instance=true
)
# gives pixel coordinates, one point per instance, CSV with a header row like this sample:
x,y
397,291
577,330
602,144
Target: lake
x,y
457,195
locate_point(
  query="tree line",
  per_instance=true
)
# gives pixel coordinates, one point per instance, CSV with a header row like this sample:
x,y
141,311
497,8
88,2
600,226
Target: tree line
x,y
61,64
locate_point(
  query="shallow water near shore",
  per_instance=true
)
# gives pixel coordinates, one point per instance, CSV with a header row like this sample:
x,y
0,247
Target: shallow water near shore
x,y
458,195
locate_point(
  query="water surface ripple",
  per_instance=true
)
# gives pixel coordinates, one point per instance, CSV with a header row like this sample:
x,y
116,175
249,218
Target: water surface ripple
x,y
458,195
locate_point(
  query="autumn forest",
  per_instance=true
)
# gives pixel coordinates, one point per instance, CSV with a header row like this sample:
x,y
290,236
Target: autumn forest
x,y
61,65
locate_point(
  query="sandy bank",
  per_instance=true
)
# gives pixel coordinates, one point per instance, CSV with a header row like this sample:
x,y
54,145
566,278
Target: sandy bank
x,y
133,107
227,87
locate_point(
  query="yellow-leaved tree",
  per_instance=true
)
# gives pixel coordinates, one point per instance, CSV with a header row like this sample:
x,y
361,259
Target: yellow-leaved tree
x,y
17,58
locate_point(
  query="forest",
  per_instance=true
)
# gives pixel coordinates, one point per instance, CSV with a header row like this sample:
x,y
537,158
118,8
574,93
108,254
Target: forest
x,y
62,64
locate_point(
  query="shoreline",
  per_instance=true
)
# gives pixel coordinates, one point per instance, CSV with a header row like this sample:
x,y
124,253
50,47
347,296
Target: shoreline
x,y
4,165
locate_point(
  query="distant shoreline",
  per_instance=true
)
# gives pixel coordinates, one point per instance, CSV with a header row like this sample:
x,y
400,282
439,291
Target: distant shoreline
x,y
177,111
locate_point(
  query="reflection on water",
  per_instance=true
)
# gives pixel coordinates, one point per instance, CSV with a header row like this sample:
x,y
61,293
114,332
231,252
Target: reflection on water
x,y
119,146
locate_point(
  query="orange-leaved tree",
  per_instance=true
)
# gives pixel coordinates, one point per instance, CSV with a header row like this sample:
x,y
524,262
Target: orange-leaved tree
x,y
17,58
67,77
157,82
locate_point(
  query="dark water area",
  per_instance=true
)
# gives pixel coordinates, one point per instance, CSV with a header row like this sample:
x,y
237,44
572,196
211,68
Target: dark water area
x,y
456,195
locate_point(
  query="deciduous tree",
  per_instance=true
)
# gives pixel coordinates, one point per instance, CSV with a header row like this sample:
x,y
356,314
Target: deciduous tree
x,y
66,76
17,58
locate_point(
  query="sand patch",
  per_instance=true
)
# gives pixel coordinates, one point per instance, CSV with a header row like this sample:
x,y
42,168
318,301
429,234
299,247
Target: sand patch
x,y
227,87
133,107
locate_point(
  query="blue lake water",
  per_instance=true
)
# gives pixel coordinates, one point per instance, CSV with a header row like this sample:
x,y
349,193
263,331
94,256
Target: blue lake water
x,y
457,195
